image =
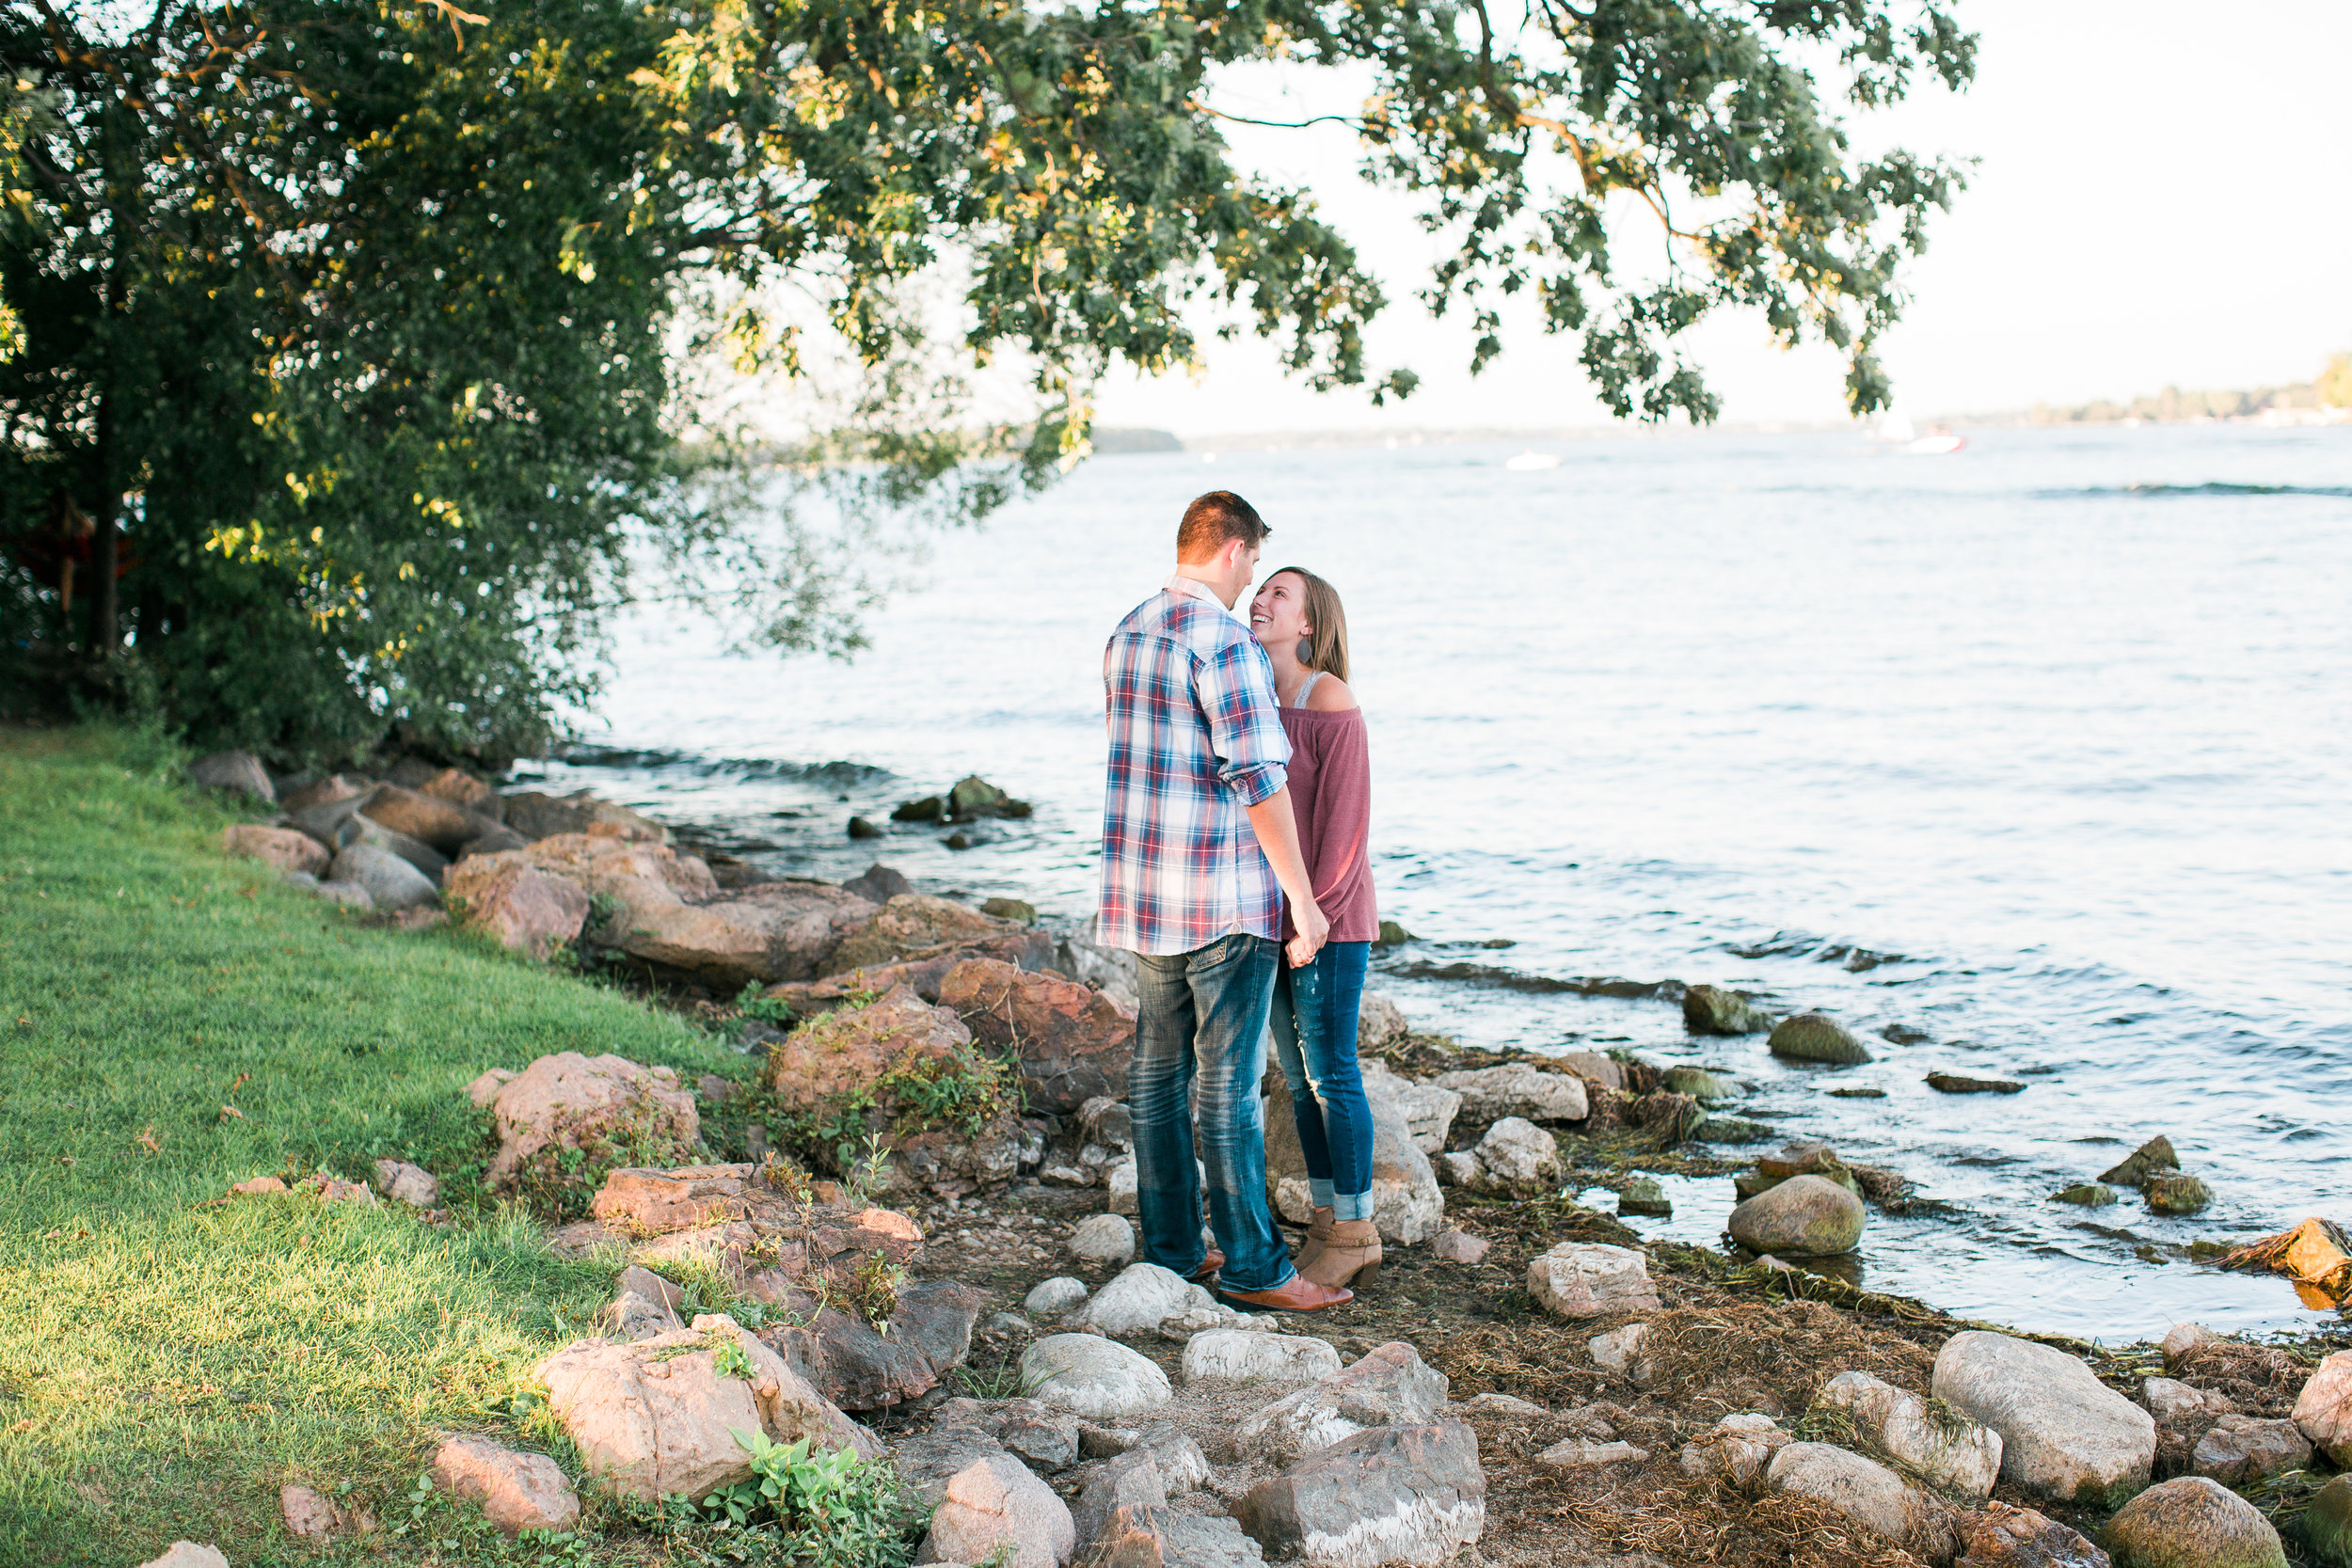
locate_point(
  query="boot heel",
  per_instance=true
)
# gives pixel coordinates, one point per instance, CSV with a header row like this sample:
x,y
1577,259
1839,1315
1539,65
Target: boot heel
x,y
1368,1275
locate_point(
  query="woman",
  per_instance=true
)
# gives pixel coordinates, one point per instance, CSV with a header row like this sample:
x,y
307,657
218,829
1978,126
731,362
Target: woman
x,y
1297,618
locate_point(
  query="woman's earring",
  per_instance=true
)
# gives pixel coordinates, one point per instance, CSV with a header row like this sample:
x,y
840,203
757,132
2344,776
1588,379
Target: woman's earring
x,y
1306,649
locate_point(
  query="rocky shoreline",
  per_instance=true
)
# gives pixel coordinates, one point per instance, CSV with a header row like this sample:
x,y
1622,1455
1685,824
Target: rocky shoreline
x,y
905,1236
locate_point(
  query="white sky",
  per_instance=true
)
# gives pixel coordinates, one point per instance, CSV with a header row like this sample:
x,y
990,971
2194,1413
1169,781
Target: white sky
x,y
2165,196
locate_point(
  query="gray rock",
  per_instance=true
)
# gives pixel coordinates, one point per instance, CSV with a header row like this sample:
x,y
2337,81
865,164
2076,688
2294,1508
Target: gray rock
x,y
1619,1351
2140,1164
878,884
239,772
1604,1070
1118,1181
1105,1238
1378,1020
1051,1298
2192,1523
2327,1522
1643,1194
1067,1176
927,1462
1459,1169
1410,1494
1427,1111
1805,1216
1137,1299
1958,1455
1043,1437
2086,1195
1515,1153
516,1491
1459,1246
406,1183
1130,1481
1240,1355
2064,1434
1108,1122
2323,1410
1096,1442
1737,1449
633,1317
350,895
1816,1037
1578,1454
1712,1010
391,882
1389,1386
1492,1403
1517,1089
1183,1466
2169,1401
2185,1339
366,829
2175,1192
2241,1450
1088,1375
1591,1279
1869,1494
187,1553
2000,1536
995,1510
1162,1538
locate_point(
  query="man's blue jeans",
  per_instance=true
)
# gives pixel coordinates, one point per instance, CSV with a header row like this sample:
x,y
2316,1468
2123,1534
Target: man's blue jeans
x,y
1203,1014
1315,1040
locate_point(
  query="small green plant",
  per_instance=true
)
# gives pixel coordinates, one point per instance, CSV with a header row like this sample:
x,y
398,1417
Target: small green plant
x,y
728,1360
1000,1382
833,1509
752,1004
558,1181
603,910
874,1290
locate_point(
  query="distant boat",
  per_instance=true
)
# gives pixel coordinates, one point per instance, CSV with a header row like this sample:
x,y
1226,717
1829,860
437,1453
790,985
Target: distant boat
x,y
1529,462
1934,445
1896,431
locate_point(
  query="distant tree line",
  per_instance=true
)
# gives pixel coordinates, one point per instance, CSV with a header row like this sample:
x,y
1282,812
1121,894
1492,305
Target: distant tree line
x,y
353,350
2331,389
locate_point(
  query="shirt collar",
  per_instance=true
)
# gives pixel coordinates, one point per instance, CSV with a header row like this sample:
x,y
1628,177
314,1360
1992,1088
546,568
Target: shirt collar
x,y
1194,588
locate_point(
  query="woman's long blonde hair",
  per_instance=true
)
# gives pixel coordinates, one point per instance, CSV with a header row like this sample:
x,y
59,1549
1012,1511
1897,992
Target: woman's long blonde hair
x,y
1327,645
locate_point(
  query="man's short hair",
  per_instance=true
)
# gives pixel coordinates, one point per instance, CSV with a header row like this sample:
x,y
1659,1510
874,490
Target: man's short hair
x,y
1215,520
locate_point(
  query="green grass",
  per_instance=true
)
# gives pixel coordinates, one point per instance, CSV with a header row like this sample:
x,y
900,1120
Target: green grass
x,y
168,1359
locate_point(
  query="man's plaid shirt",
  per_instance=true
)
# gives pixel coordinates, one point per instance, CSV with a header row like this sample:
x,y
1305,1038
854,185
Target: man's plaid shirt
x,y
1195,739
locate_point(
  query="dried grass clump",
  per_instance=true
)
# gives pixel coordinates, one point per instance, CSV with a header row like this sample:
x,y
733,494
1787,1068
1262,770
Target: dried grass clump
x,y
1658,1515
1788,1349
2262,1380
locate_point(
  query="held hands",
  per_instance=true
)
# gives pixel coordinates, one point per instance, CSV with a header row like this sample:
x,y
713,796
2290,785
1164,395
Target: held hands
x,y
1313,931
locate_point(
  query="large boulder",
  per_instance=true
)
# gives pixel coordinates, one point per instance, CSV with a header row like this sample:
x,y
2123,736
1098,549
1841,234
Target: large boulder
x,y
2064,1434
2327,1522
858,1367
1517,1089
1515,1155
358,830
1138,1300
527,909
391,882
1803,1216
1737,1449
601,1106
2192,1521
847,1052
658,1417
1074,1043
996,1511
461,788
424,818
1407,1203
2244,1450
516,1491
1816,1037
238,772
1140,1536
1044,1438
283,847
1949,1452
1390,1387
536,816
1397,1494
2324,1409
1591,1279
1428,1111
812,998
1088,1375
1869,1494
916,925
1245,1355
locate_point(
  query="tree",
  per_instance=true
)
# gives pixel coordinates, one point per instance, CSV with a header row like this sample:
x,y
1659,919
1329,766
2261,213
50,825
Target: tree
x,y
352,332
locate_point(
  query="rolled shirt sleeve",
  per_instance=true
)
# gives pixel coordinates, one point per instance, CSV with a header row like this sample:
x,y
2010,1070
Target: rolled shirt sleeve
x,y
1235,690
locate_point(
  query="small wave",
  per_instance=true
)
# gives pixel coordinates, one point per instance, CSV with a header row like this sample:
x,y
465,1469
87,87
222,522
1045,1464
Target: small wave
x,y
2211,488
1855,960
1549,985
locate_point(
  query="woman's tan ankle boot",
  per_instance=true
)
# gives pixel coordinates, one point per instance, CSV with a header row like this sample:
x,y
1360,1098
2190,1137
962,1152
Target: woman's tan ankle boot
x,y
1318,1236
1351,1254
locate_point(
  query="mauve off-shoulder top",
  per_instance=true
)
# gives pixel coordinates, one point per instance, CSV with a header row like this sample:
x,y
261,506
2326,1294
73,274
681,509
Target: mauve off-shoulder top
x,y
1330,784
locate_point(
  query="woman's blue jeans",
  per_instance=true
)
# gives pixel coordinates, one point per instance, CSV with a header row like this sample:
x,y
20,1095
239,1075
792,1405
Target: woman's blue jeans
x,y
1204,1013
1315,1039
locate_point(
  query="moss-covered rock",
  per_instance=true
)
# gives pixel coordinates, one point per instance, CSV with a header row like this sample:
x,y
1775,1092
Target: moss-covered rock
x,y
1816,1037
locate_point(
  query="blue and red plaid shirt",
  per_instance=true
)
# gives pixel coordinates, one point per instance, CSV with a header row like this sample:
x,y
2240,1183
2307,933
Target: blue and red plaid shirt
x,y
1195,740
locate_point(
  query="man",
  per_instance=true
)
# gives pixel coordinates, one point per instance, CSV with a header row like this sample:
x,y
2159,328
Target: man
x,y
1199,847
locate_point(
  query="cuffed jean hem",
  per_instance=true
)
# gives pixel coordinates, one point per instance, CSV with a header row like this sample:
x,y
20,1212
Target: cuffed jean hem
x,y
1313,1024
1202,1016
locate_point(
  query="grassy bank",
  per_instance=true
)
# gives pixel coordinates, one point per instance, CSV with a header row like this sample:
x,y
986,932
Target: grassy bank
x,y
173,1022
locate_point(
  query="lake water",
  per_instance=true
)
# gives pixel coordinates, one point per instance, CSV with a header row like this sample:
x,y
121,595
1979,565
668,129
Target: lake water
x,y
2041,749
